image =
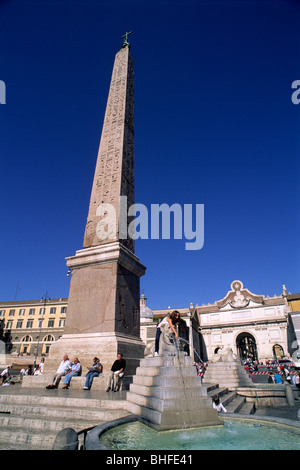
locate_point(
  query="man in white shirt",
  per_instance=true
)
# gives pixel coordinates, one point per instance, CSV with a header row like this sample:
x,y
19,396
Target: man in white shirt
x,y
63,368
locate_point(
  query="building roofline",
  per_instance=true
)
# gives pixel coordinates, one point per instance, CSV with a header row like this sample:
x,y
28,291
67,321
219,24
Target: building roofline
x,y
17,303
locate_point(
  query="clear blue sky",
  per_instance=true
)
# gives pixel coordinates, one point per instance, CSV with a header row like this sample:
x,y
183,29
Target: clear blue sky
x,y
214,125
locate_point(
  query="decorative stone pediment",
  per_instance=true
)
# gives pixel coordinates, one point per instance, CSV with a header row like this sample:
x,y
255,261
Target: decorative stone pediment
x,y
238,297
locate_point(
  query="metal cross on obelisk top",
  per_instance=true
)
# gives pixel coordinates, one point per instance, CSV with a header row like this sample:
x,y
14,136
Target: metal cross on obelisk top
x,y
126,43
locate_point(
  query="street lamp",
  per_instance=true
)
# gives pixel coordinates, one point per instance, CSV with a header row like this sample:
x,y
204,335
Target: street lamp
x,y
191,341
44,298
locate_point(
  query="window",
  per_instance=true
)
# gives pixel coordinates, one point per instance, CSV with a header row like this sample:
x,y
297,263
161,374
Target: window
x,y
52,310
63,310
2,313
26,339
11,312
50,323
29,323
48,338
31,311
40,323
9,325
21,312
42,311
62,322
19,324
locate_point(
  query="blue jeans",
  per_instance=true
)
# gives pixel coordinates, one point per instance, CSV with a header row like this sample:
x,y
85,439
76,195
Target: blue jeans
x,y
69,376
157,336
89,378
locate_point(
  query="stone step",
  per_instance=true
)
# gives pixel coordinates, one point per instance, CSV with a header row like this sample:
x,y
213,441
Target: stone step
x,y
171,382
230,399
172,361
168,393
33,421
49,423
235,405
16,439
220,391
210,386
248,408
61,412
77,383
61,401
165,404
175,419
167,371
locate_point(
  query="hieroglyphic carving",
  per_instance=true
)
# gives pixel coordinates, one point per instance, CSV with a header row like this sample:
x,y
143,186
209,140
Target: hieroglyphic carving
x,y
114,173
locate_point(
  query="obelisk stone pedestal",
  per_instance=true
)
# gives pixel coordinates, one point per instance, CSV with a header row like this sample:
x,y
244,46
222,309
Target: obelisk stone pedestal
x,y
104,300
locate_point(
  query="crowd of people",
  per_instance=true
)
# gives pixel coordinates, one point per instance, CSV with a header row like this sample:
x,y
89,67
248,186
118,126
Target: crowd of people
x,y
282,375
68,369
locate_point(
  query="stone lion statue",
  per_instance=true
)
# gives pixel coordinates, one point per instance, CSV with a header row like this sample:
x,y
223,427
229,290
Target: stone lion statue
x,y
224,355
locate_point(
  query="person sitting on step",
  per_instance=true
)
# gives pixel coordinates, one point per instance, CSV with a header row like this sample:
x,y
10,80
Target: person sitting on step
x,y
61,371
116,373
74,370
93,371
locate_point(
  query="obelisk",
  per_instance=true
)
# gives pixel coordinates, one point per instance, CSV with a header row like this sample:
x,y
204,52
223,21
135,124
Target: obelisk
x,y
103,309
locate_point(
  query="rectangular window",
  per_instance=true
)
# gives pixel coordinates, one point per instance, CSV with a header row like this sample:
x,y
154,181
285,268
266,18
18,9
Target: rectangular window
x,y
52,310
19,324
9,325
62,322
31,311
29,324
42,311
2,313
40,323
63,310
11,312
21,312
50,323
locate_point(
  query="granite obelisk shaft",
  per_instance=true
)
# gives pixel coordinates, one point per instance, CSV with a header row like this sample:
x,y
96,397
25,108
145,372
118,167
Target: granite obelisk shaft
x,y
103,308
114,173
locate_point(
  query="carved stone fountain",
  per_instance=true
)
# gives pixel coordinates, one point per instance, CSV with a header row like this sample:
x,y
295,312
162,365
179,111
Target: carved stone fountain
x,y
167,393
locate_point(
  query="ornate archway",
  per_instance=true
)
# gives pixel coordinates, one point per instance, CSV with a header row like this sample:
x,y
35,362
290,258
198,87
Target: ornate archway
x,y
278,352
246,347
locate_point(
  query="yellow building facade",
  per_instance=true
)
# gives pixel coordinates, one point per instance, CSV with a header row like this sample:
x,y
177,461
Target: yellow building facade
x,y
30,327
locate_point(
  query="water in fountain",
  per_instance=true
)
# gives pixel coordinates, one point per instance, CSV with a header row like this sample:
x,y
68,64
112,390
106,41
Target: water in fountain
x,y
234,435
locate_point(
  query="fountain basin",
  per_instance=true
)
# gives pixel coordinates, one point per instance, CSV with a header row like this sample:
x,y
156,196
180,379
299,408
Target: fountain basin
x,y
238,433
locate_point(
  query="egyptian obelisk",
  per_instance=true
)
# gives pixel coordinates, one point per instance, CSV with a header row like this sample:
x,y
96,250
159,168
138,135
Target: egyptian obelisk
x,y
103,309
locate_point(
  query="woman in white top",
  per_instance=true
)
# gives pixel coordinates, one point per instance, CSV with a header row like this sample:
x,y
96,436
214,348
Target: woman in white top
x,y
217,405
172,319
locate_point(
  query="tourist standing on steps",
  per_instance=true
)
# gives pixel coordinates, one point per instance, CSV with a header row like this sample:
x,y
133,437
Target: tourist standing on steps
x,y
74,370
116,373
61,371
277,378
93,371
297,380
271,378
172,319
